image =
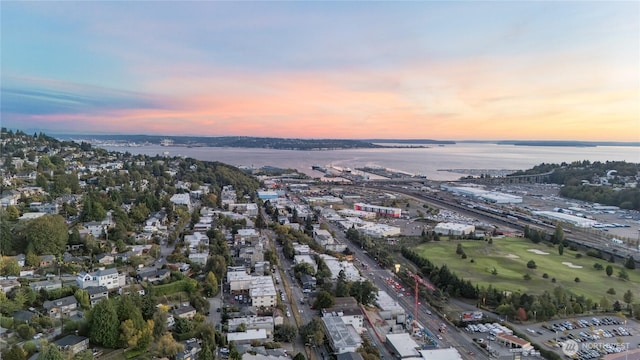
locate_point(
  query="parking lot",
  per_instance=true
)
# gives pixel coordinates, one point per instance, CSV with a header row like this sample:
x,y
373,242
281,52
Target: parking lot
x,y
590,337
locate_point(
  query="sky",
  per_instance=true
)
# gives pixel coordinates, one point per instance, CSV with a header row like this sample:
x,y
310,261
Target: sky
x,y
449,70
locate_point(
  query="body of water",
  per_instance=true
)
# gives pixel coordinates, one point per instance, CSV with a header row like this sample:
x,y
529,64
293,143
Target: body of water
x,y
420,161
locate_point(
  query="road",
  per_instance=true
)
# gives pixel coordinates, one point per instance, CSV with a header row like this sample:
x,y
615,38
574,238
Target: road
x,y
452,338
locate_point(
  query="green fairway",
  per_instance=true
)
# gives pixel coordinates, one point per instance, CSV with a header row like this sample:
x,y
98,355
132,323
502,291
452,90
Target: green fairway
x,y
509,256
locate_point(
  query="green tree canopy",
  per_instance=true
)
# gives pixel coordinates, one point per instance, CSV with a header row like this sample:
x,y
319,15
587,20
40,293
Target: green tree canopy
x,y
47,234
104,326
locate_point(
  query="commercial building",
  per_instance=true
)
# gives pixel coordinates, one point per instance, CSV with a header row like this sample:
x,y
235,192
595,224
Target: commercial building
x,y
379,210
403,346
571,219
246,337
348,310
454,229
343,338
481,194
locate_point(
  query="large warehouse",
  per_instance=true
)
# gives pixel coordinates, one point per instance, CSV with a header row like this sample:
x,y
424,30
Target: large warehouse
x,y
574,220
481,194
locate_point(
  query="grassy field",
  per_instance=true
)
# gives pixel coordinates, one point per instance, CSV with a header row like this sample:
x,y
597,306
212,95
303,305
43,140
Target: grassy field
x,y
509,256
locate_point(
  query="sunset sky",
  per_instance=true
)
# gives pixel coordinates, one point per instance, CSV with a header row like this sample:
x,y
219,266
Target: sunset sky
x,y
326,69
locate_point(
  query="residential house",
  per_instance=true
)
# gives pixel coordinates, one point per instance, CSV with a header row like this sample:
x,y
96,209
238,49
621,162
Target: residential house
x,y
247,236
46,285
66,306
308,282
95,228
196,240
110,278
49,208
73,343
190,352
133,288
10,198
253,254
105,259
181,200
185,312
20,258
97,294
8,285
47,260
153,275
23,316
253,322
228,195
199,257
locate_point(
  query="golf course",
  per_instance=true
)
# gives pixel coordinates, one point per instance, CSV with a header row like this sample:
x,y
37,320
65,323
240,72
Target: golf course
x,y
503,264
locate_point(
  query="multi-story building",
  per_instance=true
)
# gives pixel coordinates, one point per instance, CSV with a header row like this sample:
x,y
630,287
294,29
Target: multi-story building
x,y
262,291
109,278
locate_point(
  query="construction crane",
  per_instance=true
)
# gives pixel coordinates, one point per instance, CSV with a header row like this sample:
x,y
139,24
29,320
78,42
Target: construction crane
x,y
418,281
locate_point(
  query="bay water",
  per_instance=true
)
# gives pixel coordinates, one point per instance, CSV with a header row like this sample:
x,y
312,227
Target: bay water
x,y
434,162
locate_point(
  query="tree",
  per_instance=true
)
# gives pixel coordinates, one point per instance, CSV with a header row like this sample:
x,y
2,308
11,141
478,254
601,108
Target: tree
x,y
160,323
628,297
630,263
609,270
623,274
616,306
210,284
604,303
364,292
299,356
9,266
558,235
25,331
104,326
47,234
285,333
31,259
14,353
324,300
168,346
531,264
561,248
83,298
51,352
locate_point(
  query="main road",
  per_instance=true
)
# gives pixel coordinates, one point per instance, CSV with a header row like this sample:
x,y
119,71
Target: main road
x,y
451,338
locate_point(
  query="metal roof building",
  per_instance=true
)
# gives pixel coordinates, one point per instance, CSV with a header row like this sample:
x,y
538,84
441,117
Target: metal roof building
x,y
342,337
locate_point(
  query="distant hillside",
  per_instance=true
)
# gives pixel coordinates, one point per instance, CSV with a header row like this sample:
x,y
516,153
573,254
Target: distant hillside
x,y
233,141
608,183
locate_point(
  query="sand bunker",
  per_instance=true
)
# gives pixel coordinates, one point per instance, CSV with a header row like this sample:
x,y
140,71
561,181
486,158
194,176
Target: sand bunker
x,y
571,265
512,256
538,252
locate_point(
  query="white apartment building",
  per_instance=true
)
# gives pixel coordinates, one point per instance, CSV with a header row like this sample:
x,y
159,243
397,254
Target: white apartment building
x,y
108,278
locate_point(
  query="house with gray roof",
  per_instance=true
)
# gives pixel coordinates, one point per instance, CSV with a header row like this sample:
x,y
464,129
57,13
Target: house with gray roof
x,y
66,306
